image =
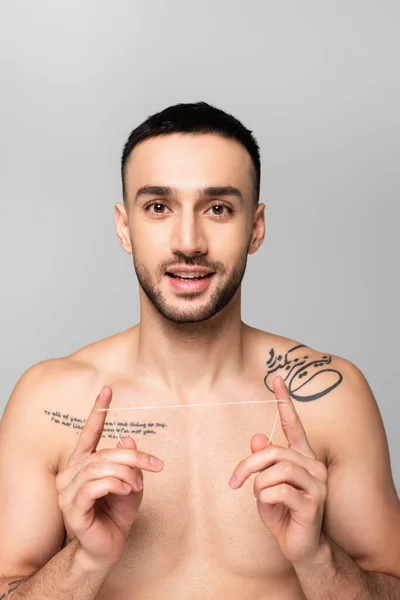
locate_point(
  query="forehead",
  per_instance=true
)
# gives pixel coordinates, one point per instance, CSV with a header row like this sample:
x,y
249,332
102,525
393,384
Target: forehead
x,y
189,161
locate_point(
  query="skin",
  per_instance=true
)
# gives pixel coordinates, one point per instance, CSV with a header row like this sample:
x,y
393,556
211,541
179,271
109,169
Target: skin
x,y
192,531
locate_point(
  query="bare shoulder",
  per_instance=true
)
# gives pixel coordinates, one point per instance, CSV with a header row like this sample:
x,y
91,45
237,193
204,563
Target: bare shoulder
x,y
310,374
64,379
59,391
55,379
332,396
344,427
29,410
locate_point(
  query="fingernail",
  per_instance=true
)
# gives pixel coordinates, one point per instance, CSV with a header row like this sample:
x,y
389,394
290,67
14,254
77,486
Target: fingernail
x,y
139,484
127,487
233,482
156,461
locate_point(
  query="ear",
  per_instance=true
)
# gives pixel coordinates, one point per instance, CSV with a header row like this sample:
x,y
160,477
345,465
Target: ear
x,y
122,227
258,231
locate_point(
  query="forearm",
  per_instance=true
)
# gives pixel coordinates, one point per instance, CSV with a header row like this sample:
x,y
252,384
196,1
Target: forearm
x,y
66,576
335,576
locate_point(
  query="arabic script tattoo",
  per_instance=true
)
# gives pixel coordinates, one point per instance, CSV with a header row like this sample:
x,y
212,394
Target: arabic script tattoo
x,y
297,369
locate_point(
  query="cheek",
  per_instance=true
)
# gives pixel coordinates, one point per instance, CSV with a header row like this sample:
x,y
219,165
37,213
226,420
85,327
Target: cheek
x,y
154,238
229,243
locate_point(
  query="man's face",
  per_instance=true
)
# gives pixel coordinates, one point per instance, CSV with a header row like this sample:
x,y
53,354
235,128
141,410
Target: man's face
x,y
189,243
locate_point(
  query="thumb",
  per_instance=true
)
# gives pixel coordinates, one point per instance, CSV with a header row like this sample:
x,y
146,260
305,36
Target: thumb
x,y
258,442
127,442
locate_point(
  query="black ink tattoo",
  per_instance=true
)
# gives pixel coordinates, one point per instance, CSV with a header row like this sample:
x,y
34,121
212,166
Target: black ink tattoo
x,y
122,427
17,581
297,370
12,586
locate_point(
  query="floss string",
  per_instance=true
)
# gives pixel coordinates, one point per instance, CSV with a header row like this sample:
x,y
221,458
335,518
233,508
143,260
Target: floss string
x,y
194,405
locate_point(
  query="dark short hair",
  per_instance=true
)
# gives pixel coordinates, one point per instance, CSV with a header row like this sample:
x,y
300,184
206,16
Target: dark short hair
x,y
198,117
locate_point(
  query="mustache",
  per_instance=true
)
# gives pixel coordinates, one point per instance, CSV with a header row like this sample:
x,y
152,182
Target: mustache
x,y
192,261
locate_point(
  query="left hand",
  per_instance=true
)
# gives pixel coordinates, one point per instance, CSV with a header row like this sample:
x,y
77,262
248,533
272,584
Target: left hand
x,y
290,486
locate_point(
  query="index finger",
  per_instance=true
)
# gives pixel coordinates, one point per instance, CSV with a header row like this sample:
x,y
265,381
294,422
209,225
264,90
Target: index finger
x,y
291,424
92,431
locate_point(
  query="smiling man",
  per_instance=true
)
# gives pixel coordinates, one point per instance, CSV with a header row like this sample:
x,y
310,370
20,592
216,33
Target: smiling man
x,y
200,491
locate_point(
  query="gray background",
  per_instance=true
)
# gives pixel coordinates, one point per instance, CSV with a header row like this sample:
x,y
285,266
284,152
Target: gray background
x,y
317,82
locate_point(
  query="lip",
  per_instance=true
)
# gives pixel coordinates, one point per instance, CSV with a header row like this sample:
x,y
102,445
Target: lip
x,y
190,286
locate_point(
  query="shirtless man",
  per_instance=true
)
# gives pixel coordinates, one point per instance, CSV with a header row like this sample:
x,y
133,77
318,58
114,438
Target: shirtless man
x,y
223,512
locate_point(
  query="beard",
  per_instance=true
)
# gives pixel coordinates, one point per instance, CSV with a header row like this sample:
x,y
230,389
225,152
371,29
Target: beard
x,y
221,296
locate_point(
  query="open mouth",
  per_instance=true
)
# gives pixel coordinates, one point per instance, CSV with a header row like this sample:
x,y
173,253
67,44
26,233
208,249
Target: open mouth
x,y
189,276
190,282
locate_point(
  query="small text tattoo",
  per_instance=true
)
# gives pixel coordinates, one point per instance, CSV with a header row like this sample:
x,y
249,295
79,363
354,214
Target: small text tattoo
x,y
122,427
297,369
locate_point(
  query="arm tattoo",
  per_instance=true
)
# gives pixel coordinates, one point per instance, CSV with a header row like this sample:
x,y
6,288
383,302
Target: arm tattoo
x,y
12,586
297,369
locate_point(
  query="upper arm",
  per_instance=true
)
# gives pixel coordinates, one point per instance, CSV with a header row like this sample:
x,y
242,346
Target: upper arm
x,y
31,525
362,512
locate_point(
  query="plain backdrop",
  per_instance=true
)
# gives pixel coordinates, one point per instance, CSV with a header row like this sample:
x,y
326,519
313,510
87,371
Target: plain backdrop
x,y
317,83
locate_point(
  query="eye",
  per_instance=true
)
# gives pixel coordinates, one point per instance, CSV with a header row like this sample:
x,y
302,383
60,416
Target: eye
x,y
221,210
156,208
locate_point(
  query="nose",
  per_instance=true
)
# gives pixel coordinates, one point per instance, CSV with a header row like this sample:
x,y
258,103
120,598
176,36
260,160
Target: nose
x,y
188,236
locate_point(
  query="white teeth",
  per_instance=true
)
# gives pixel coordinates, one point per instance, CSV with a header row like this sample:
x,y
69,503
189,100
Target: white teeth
x,y
190,275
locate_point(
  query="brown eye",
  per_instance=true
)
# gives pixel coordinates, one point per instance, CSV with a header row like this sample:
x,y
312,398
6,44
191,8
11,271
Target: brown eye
x,y
218,209
156,208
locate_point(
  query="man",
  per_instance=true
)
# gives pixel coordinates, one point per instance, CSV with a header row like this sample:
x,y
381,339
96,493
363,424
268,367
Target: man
x,y
186,496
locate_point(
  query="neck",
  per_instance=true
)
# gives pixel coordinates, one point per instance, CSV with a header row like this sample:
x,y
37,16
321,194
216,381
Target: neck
x,y
190,358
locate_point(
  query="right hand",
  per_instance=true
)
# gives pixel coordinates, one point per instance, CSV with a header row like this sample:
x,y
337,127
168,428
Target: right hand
x,y
99,492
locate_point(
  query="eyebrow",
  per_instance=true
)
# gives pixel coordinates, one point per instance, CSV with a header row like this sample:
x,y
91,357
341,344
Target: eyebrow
x,y
160,190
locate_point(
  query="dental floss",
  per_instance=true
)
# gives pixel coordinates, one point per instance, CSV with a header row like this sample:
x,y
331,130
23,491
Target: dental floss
x,y
119,439
192,405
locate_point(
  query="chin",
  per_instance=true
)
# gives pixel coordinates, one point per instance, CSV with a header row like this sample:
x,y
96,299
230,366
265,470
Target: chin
x,y
186,317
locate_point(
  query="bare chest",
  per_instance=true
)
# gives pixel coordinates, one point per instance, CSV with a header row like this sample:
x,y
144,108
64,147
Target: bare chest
x,y
192,528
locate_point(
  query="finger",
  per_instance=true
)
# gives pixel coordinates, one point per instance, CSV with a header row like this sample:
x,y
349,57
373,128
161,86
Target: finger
x,y
92,491
92,431
127,442
101,470
290,421
286,472
268,457
258,442
135,459
288,495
